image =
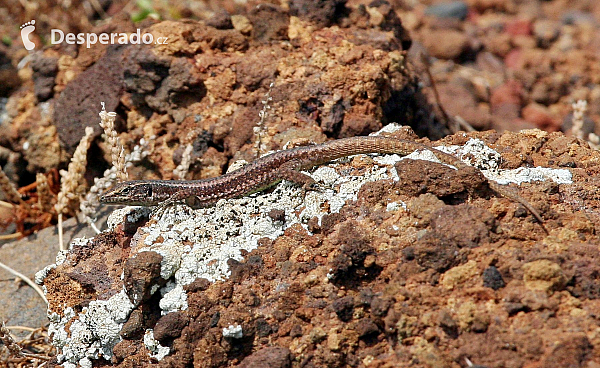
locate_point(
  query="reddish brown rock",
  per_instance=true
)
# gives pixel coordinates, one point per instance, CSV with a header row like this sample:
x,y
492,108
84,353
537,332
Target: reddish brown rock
x,y
519,27
510,93
539,116
445,44
271,357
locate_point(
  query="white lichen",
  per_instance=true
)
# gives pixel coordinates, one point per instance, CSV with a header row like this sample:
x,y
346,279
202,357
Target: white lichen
x,y
198,243
156,349
233,332
131,214
173,300
92,333
396,206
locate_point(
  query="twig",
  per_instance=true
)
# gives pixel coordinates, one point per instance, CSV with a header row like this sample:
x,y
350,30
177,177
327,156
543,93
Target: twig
x,y
6,204
25,328
98,8
464,124
36,356
95,228
61,243
27,281
436,96
11,236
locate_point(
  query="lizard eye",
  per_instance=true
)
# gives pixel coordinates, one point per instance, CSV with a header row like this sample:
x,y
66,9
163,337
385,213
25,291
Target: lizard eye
x,y
125,190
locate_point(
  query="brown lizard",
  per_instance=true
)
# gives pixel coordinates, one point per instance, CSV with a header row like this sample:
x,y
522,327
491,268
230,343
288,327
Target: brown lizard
x,y
271,169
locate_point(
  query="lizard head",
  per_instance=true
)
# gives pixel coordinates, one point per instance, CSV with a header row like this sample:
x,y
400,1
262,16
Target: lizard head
x,y
133,193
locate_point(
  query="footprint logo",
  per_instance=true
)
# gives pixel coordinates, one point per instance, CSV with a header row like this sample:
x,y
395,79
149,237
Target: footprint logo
x,y
26,29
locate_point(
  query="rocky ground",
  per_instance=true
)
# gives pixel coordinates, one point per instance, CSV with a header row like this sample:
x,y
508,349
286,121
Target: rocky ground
x,y
427,268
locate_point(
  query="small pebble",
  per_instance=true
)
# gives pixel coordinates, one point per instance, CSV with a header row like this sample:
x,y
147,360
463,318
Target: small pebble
x,y
455,9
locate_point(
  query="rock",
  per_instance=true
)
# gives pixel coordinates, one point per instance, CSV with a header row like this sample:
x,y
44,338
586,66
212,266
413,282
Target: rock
x,y
571,351
540,116
455,9
458,100
8,73
492,278
519,27
417,177
445,44
506,100
459,274
344,307
270,357
514,59
269,22
380,306
478,225
367,328
447,323
578,17
546,31
221,19
44,71
543,275
170,326
316,335
78,105
134,327
141,272
321,13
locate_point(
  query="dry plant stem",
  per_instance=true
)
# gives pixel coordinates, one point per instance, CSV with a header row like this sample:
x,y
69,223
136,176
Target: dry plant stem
x,y
9,342
463,124
73,185
107,122
61,243
24,328
186,159
116,173
27,280
43,192
450,123
98,8
6,204
579,109
36,356
11,236
9,190
95,228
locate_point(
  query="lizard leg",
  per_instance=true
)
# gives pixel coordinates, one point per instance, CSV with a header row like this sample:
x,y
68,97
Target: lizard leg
x,y
177,197
195,202
306,182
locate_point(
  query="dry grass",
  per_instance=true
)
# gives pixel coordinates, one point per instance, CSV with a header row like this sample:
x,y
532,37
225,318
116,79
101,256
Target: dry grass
x,y
34,350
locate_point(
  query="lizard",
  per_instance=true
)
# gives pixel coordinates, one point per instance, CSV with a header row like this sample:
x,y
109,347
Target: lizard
x,y
273,168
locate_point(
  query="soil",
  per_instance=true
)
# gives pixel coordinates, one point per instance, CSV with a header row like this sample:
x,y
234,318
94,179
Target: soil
x,y
459,278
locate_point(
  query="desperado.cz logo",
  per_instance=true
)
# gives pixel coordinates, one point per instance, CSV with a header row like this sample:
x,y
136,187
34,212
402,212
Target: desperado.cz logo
x,y
58,36
26,30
